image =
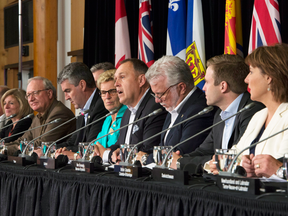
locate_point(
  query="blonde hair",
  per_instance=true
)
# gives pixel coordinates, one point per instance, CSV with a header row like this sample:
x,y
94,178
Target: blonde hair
x,y
19,95
105,77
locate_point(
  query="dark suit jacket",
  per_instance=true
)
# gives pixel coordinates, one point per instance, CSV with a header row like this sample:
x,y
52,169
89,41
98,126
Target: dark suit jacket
x,y
214,140
146,127
195,103
96,111
20,126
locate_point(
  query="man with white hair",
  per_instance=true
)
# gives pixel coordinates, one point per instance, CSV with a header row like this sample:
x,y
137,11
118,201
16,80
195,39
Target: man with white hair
x,y
171,81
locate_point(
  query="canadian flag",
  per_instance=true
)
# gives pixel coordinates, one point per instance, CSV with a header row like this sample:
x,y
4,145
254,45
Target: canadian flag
x,y
122,40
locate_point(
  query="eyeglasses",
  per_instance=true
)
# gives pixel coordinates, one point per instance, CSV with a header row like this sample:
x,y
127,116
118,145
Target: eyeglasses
x,y
159,97
111,92
34,93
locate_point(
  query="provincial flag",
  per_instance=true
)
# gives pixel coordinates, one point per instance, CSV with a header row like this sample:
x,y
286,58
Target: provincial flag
x,y
233,43
176,29
195,43
265,26
145,38
122,40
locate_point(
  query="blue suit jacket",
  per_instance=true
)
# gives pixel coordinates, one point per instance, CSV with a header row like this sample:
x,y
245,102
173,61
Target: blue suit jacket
x,y
194,104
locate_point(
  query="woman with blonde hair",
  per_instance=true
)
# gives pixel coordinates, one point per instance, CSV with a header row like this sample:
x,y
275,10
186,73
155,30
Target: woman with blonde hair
x,y
14,102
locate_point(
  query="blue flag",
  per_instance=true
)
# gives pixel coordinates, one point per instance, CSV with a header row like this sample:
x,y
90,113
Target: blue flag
x,y
176,29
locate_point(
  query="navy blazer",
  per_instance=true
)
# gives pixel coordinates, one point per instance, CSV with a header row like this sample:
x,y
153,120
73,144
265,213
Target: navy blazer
x,y
144,128
96,111
214,140
195,103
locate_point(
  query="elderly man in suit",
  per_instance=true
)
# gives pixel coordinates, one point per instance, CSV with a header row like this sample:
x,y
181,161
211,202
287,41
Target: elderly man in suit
x,y
79,87
225,88
41,96
173,85
134,91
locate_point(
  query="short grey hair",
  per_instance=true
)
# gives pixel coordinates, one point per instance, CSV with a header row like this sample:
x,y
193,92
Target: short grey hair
x,y
75,72
102,66
47,84
174,68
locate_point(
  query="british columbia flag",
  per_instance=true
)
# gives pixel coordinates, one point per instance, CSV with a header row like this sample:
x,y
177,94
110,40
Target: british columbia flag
x,y
145,34
265,27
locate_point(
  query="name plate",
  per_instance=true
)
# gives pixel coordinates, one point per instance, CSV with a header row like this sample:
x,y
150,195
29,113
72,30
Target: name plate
x,y
166,175
240,184
17,160
128,171
48,163
83,166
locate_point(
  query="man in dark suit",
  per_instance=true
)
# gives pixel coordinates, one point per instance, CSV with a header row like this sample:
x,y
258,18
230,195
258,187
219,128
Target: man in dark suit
x,y
134,91
171,80
79,87
224,87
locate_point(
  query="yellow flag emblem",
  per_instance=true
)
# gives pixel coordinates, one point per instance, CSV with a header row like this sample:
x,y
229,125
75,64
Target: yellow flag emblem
x,y
196,66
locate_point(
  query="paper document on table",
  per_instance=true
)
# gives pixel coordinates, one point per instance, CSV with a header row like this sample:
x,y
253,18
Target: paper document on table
x,y
272,178
150,166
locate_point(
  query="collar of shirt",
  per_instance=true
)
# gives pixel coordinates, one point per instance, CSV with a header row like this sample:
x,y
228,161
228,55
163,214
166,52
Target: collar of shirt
x,y
134,109
174,113
88,103
232,108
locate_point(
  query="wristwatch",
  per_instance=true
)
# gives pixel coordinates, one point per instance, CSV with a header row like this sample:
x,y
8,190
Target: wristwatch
x,y
281,173
178,162
144,159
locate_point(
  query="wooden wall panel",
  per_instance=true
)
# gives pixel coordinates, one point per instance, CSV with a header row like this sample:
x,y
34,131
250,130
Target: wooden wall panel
x,y
12,54
45,39
77,24
12,80
3,54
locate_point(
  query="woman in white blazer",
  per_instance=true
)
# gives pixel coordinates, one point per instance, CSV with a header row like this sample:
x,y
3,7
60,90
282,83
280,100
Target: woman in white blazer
x,y
268,83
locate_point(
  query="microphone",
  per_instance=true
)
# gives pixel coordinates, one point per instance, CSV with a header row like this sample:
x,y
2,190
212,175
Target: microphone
x,y
155,112
248,106
9,117
97,120
51,122
204,111
229,171
28,116
54,121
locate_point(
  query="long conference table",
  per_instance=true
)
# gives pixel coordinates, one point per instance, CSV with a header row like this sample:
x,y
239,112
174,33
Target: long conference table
x,y
35,191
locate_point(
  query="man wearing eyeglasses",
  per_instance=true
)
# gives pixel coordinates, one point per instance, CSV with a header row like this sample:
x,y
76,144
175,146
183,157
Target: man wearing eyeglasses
x,y
134,91
171,81
41,96
79,87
